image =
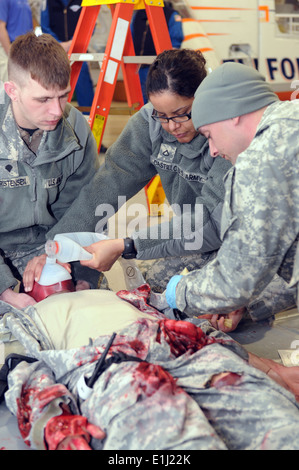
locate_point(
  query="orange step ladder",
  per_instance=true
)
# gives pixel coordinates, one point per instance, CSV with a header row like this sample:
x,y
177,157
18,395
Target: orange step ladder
x,y
119,46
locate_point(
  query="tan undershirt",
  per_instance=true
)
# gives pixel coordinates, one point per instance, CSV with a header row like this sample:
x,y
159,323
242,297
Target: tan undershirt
x,y
71,319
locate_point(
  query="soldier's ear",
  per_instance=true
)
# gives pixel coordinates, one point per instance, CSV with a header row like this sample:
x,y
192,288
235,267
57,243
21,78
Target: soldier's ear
x,y
236,120
11,89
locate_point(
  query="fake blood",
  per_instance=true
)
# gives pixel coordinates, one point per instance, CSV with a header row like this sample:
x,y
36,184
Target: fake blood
x,y
35,397
48,394
137,346
148,378
182,336
24,411
76,427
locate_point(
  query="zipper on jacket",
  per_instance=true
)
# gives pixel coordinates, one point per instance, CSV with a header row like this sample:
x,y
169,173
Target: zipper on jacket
x,y
33,197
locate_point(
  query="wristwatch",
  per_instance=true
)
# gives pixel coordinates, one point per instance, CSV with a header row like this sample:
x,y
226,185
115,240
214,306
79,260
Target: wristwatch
x,y
130,250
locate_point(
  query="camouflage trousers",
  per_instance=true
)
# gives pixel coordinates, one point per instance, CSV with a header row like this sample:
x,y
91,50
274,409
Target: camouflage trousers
x,y
163,403
278,295
194,414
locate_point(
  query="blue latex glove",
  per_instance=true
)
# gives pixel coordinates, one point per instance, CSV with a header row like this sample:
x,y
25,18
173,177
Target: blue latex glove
x,y
170,290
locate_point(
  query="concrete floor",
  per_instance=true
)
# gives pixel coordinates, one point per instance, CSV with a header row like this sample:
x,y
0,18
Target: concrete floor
x,y
267,339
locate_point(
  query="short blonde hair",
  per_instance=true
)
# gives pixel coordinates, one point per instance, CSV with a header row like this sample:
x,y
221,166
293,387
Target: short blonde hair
x,y
42,57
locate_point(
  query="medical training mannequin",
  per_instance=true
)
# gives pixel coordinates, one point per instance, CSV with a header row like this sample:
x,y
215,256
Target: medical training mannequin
x,y
141,399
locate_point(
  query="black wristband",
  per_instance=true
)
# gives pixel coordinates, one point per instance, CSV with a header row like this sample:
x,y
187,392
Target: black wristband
x,y
130,250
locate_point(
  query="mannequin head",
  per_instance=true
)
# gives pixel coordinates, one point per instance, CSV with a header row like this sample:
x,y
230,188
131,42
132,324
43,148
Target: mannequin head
x,y
41,292
53,280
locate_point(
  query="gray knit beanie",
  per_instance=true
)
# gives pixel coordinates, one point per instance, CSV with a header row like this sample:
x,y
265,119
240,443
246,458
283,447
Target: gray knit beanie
x,y
231,90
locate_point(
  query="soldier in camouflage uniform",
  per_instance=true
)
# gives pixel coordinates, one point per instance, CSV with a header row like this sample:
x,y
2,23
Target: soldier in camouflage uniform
x,y
260,220
176,385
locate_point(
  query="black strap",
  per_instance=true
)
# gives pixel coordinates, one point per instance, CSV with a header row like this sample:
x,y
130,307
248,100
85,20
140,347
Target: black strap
x,y
119,357
11,362
103,364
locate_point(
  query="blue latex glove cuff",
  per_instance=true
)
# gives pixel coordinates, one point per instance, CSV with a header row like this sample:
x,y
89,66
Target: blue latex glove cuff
x,y
170,290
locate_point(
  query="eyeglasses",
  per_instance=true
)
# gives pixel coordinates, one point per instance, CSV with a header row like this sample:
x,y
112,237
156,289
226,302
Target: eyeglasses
x,y
165,120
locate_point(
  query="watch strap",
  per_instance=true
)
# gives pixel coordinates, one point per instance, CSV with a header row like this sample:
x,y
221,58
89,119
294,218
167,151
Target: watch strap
x,y
129,250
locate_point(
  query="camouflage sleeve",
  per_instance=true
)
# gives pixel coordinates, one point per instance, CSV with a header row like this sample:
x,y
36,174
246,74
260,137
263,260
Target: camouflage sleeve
x,y
7,279
195,231
259,225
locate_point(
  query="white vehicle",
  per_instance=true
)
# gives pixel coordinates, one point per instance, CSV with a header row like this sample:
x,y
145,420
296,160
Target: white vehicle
x,y
261,33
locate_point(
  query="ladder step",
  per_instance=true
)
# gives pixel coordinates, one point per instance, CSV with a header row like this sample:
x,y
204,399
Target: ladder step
x,y
99,57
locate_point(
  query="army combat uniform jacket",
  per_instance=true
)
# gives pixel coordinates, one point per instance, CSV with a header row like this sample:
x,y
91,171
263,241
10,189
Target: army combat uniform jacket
x,y
260,220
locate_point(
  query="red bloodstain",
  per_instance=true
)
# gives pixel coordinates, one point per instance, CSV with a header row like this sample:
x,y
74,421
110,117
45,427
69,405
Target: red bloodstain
x,y
137,345
48,394
24,411
59,427
32,397
148,378
182,336
76,427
